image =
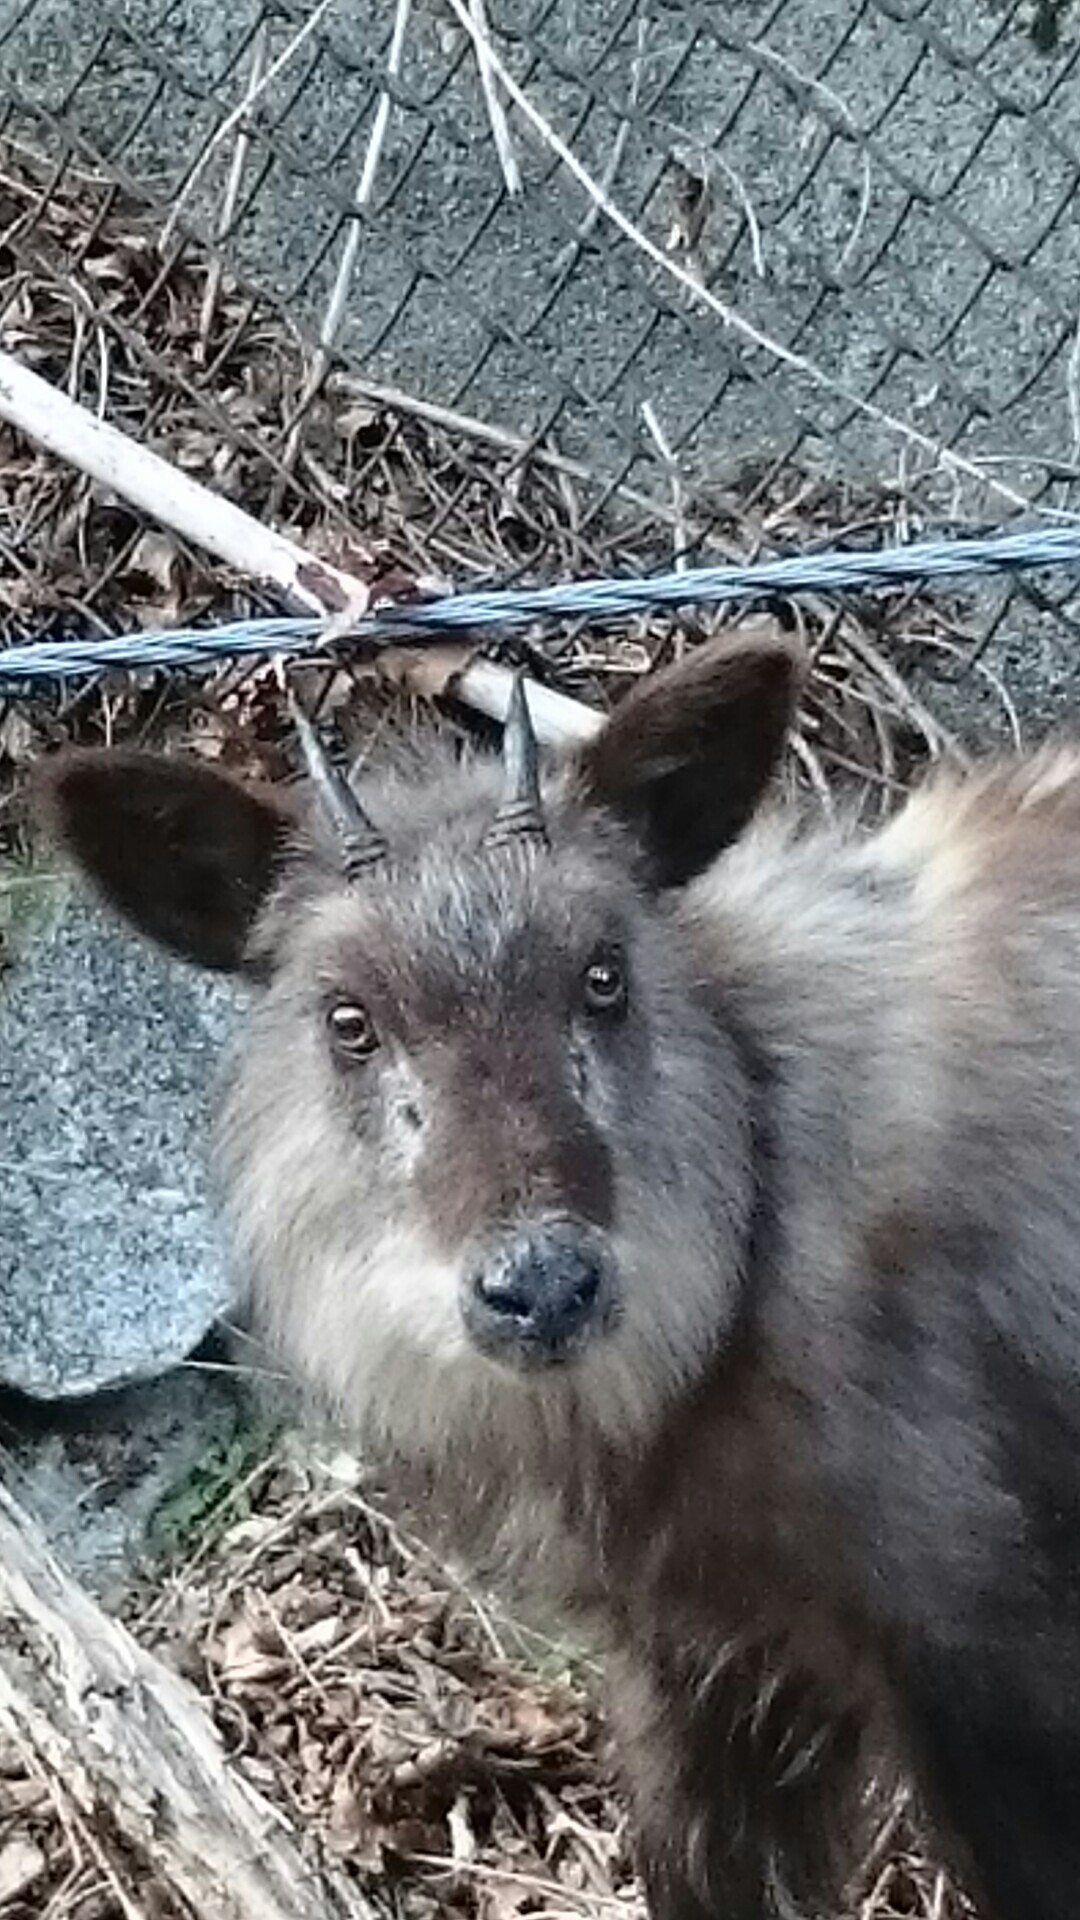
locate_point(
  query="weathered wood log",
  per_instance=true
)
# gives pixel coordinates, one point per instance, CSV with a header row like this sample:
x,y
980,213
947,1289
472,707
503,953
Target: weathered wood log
x,y
128,1736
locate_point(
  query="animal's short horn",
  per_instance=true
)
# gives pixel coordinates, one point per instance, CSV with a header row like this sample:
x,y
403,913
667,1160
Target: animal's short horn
x,y
520,814
361,844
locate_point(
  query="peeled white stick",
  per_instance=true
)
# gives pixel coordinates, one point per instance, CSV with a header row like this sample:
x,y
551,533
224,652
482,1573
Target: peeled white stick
x,y
557,720
161,490
306,583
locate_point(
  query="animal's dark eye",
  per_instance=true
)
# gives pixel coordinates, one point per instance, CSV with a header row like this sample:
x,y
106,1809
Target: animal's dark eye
x,y
604,985
352,1030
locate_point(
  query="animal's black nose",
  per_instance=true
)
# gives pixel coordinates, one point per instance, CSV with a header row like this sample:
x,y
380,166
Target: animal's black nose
x,y
537,1296
543,1293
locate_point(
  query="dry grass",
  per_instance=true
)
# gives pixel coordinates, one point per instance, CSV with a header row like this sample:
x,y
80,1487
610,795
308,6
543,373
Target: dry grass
x,y
452,1760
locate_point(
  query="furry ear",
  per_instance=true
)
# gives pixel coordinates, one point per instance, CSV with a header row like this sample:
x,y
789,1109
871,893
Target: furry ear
x,y
184,852
686,757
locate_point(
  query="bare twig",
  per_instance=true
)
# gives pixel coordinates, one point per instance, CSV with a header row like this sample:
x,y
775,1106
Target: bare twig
x,y
487,433
810,83
160,489
500,131
569,254
260,47
1072,389
380,126
339,294
938,737
664,448
222,132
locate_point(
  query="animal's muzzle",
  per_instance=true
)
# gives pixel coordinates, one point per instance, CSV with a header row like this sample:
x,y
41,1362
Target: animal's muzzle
x,y
541,1295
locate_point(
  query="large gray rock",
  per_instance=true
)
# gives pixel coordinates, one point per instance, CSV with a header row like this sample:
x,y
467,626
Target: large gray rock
x,y
109,1270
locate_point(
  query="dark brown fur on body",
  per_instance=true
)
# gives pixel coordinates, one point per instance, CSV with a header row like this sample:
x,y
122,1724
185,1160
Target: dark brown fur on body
x,y
785,1123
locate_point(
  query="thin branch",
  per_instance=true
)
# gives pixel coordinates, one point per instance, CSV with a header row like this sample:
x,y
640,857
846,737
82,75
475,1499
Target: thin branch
x,y
233,119
500,131
939,739
1072,389
157,487
381,124
570,253
678,493
485,433
260,48
810,83
343,279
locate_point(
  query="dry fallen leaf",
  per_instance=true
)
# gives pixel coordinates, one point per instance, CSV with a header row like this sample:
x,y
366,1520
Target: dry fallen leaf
x,y
462,1837
21,1796
249,1532
21,1863
155,555
320,1635
16,738
356,603
534,1720
350,1829
425,672
242,1656
499,1899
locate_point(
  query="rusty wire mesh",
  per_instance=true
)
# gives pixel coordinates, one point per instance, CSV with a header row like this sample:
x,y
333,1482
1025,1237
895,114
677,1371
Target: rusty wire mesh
x,y
842,301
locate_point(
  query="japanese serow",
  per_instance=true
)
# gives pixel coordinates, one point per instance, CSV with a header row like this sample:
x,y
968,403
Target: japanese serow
x,y
695,1194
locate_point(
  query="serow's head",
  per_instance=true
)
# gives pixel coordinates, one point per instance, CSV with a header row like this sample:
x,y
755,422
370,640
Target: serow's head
x,y
485,1143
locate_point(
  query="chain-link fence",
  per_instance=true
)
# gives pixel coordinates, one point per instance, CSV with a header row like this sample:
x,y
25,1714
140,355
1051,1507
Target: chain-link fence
x,y
726,277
